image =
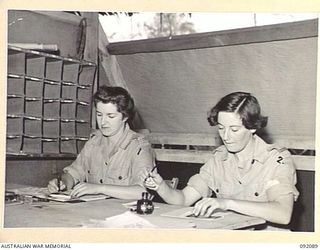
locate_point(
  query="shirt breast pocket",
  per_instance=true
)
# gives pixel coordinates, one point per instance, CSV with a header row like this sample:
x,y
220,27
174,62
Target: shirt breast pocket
x,y
93,176
118,176
223,190
256,192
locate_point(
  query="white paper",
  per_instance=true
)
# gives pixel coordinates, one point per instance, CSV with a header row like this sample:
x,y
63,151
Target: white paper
x,y
124,220
65,197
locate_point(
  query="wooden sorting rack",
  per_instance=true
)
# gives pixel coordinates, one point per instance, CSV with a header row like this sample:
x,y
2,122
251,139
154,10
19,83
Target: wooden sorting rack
x,y
48,103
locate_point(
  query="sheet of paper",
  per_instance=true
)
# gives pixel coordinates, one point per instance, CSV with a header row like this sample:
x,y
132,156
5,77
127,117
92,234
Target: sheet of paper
x,y
124,220
66,197
43,192
187,213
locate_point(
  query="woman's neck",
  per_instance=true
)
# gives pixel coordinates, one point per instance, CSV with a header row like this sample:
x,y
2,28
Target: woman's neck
x,y
247,153
114,139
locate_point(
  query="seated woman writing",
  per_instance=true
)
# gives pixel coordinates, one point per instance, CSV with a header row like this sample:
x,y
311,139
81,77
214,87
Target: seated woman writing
x,y
113,157
246,174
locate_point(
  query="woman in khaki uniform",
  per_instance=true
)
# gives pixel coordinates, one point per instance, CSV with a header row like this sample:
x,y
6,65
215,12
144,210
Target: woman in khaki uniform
x,y
113,157
246,174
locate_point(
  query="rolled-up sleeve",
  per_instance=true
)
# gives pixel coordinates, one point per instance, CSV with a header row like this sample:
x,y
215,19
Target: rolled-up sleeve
x,y
144,158
78,168
284,178
201,182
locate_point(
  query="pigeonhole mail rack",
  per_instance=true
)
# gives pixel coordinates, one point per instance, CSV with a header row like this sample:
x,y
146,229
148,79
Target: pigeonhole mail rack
x,y
48,103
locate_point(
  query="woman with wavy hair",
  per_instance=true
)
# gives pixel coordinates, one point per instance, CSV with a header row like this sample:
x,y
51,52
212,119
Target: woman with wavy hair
x,y
245,174
112,159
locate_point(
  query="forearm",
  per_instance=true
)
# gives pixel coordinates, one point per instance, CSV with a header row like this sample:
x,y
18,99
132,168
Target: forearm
x,y
275,211
171,196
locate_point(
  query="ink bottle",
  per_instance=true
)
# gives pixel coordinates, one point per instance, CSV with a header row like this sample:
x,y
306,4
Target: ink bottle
x,y
145,205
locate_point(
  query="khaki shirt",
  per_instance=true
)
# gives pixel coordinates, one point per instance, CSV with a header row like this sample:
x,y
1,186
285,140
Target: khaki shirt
x,y
271,166
119,165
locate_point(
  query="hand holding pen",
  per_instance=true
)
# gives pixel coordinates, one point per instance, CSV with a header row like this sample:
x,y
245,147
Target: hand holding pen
x,y
150,173
56,185
151,179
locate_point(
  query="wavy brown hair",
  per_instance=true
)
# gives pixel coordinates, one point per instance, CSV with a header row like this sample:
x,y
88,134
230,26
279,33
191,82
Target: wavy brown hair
x,y
117,96
242,103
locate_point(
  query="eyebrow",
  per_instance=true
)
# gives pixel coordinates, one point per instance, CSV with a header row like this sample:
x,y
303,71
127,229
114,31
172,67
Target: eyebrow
x,y
232,126
106,113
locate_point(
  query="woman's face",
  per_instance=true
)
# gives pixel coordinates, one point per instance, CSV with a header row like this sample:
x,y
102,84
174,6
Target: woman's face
x,y
232,132
110,120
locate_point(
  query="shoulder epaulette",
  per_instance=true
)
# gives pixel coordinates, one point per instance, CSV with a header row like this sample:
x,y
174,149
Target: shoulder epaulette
x,y
94,133
276,147
142,140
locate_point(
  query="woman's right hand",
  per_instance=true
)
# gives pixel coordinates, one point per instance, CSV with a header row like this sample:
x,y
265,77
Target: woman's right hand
x,y
151,180
53,186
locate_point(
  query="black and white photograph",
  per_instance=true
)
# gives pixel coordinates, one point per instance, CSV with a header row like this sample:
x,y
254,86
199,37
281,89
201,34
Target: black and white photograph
x,y
175,121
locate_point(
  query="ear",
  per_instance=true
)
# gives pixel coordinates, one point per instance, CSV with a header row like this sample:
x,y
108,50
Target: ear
x,y
125,119
252,131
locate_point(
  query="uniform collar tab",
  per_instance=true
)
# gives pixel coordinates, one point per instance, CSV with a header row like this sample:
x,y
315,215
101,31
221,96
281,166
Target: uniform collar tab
x,y
223,152
261,149
127,137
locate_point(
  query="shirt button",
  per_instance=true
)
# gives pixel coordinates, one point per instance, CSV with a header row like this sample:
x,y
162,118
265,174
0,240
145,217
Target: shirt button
x,y
88,171
217,190
106,163
101,181
256,194
120,177
240,182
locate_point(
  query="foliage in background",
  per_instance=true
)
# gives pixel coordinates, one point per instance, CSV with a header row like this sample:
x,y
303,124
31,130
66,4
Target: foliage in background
x,y
169,24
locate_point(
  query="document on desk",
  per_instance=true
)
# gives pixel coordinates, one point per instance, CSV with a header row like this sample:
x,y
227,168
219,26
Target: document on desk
x,y
66,197
187,213
43,192
124,220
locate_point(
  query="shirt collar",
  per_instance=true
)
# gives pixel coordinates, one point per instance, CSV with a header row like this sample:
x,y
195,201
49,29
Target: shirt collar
x,y
126,137
261,149
123,141
223,152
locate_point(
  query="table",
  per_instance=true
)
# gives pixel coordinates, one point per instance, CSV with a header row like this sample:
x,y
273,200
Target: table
x,y
62,215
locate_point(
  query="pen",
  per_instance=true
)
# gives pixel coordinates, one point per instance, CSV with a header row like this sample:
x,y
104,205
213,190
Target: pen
x,y
59,180
150,172
154,168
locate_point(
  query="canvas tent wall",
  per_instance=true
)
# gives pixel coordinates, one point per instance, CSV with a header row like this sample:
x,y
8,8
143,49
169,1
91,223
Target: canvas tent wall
x,y
175,81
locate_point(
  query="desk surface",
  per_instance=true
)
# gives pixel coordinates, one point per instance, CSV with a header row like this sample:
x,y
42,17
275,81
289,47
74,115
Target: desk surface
x,y
57,214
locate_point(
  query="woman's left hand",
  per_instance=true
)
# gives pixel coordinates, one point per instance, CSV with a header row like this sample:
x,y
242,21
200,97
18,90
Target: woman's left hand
x,y
206,206
85,188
